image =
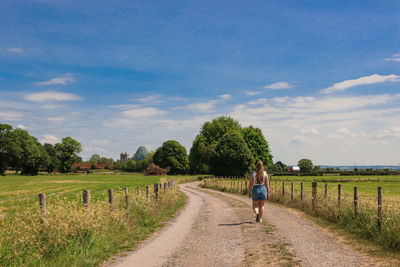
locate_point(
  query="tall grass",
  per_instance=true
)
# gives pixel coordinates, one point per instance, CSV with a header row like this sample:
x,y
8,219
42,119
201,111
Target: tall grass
x,y
72,235
364,226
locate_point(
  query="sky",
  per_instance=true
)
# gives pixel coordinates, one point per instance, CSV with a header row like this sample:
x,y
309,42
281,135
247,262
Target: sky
x,y
321,79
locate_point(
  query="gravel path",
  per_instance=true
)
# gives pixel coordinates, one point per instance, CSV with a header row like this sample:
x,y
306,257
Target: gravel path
x,y
218,229
312,245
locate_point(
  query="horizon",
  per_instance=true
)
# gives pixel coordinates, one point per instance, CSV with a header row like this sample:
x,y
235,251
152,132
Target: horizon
x,y
321,80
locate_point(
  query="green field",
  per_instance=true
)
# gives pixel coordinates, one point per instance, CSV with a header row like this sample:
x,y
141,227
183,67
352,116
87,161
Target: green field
x,y
19,194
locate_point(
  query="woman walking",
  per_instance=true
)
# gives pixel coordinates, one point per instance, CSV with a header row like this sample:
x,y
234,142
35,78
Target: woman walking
x,y
259,190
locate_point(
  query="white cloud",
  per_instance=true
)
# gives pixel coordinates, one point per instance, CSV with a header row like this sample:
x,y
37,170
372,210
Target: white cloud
x,y
335,136
347,132
251,93
125,106
310,130
52,106
143,112
206,107
51,95
57,119
65,80
372,79
10,115
14,50
20,126
395,132
225,96
394,57
150,100
50,139
279,86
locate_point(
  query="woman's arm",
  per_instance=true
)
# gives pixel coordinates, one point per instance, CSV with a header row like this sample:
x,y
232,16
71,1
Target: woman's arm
x,y
250,185
267,185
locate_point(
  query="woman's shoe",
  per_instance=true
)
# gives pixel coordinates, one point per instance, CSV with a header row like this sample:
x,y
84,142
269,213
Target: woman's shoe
x,y
257,217
260,221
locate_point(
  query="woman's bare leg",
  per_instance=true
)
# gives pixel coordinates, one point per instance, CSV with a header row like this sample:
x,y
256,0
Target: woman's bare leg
x,y
261,207
256,207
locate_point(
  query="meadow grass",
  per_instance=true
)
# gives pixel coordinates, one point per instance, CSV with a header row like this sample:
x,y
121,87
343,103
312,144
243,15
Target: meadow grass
x,y
363,226
73,235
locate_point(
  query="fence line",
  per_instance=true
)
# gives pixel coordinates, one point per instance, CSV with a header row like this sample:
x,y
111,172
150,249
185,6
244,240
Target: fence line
x,y
86,197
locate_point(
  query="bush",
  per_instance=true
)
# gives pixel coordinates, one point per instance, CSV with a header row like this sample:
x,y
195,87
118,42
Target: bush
x,y
153,169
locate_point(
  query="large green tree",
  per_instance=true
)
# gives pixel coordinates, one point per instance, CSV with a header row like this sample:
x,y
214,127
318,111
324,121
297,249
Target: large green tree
x,y
231,156
211,133
258,146
174,155
199,154
305,165
25,153
52,163
67,153
5,130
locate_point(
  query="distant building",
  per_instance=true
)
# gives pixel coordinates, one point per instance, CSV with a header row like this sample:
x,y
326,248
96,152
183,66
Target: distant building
x,y
123,157
295,169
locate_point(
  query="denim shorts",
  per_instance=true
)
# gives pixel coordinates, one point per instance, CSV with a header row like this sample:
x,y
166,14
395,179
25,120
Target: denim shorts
x,y
259,192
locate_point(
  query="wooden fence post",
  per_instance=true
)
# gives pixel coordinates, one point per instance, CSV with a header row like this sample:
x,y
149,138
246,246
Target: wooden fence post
x,y
339,196
165,187
126,196
148,192
42,203
245,187
301,191
138,190
326,191
283,189
379,207
276,184
86,198
356,201
110,196
314,194
156,190
292,192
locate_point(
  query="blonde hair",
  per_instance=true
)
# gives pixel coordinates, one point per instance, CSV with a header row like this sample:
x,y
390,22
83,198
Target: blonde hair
x,y
259,172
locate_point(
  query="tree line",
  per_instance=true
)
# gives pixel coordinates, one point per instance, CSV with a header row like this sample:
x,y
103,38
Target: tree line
x,y
23,153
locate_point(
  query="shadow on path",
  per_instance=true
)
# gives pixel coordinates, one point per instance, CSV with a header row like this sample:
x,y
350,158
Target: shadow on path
x,y
233,224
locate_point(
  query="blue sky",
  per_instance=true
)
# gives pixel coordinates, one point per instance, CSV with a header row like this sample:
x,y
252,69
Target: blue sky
x,y
320,78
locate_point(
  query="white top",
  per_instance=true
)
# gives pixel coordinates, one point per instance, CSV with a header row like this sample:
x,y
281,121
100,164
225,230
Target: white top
x,y
255,180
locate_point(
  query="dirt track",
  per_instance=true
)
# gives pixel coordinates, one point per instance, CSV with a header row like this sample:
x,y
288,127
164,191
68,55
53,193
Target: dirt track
x,y
218,229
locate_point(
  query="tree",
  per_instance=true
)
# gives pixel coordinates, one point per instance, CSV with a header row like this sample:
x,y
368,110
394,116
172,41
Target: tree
x,y
213,131
199,154
52,163
258,146
129,166
204,143
67,153
172,154
141,153
283,166
94,159
25,152
231,156
305,165
5,130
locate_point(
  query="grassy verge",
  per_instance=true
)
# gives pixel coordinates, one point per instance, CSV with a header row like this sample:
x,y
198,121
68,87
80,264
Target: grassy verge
x,y
72,235
364,226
